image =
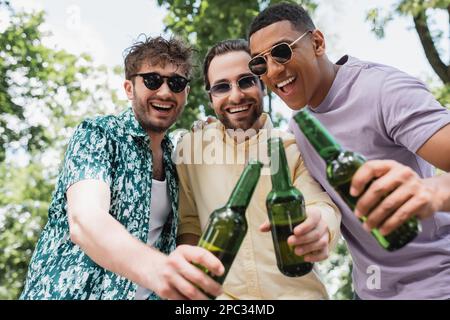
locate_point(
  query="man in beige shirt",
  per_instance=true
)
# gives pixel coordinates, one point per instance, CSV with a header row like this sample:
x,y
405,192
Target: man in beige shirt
x,y
209,162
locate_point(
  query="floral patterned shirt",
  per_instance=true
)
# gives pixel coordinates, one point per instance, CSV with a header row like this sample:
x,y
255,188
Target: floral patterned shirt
x,y
114,149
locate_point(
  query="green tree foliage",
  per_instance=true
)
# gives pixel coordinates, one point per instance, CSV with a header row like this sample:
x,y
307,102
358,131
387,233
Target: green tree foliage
x,y
421,12
204,23
44,94
24,199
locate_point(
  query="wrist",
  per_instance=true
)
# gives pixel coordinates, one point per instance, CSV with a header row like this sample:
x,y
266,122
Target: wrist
x,y
440,188
147,268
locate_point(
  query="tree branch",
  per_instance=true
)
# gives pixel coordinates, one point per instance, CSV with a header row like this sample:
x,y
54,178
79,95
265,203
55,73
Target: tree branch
x,y
441,69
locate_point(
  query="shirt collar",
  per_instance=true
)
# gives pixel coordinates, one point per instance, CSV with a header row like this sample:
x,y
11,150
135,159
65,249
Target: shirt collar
x,y
134,128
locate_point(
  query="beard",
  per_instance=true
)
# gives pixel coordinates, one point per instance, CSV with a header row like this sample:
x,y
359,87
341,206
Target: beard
x,y
243,124
147,116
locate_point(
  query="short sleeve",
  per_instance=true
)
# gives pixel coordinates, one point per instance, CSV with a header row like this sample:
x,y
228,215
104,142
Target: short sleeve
x,y
410,112
87,156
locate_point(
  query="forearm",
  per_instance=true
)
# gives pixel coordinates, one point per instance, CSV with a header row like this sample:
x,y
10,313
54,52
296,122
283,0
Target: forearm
x,y
111,246
441,189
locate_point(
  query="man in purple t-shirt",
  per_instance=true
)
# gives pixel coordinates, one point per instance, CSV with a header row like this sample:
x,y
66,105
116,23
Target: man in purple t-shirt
x,y
382,113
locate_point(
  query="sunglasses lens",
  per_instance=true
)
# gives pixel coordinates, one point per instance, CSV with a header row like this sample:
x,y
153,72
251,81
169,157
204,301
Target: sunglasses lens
x,y
153,81
247,82
258,66
220,89
281,53
177,83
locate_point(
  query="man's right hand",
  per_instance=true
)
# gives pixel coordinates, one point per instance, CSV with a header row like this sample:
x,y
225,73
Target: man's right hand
x,y
200,124
175,277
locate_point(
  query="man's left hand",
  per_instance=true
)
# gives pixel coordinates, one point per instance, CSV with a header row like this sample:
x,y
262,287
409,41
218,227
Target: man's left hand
x,y
310,238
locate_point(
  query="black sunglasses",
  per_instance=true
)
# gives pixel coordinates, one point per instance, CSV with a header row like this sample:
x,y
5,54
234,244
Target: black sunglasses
x,y
280,53
224,88
153,81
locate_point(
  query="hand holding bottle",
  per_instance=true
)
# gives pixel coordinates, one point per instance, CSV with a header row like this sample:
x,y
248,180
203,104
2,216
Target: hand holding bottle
x,y
174,276
396,194
310,238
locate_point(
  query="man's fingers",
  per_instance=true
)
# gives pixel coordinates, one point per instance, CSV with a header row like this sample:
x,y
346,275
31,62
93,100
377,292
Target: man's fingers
x,y
413,207
265,227
308,248
203,257
381,187
310,223
387,207
211,119
187,289
368,171
317,256
309,237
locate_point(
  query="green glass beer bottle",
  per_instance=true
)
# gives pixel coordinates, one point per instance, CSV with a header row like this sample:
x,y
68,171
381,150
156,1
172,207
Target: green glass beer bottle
x,y
340,166
227,226
286,209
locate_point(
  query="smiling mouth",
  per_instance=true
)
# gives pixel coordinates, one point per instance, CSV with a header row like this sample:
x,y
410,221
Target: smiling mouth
x,y
282,85
162,107
234,110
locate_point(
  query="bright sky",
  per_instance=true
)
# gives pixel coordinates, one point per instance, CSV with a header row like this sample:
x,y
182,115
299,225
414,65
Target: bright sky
x,y
105,28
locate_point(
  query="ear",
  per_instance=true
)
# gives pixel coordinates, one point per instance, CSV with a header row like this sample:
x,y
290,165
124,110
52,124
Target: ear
x,y
128,86
318,42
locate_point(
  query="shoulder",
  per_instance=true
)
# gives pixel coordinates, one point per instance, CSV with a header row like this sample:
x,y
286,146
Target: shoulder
x,y
385,74
98,123
101,127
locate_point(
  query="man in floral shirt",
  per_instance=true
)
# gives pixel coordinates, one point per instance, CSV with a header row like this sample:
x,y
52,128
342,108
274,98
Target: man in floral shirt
x,y
113,217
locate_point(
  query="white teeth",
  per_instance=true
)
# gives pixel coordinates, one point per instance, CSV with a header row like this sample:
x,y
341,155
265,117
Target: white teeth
x,y
285,82
238,109
163,106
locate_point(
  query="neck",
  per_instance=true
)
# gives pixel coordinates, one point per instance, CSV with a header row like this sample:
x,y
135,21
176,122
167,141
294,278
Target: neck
x,y
155,140
240,135
328,71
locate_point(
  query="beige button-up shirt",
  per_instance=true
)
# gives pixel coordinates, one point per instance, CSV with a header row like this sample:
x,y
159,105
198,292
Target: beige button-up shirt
x,y
209,163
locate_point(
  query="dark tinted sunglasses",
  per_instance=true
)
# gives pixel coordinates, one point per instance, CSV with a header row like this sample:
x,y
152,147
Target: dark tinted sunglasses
x,y
224,88
154,81
280,53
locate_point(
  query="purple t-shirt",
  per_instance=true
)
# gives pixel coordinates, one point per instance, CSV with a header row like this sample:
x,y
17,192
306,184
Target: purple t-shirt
x,y
383,113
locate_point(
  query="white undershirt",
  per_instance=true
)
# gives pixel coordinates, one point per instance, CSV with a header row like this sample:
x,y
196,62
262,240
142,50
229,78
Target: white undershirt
x,y
159,211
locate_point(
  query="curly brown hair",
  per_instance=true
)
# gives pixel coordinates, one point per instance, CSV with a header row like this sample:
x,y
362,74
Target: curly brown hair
x,y
158,51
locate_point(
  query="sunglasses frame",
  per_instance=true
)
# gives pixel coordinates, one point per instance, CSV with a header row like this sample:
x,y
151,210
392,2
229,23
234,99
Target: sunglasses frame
x,y
164,78
269,52
231,84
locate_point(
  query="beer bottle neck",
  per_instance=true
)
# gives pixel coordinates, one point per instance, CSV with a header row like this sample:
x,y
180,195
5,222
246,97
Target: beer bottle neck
x,y
279,168
322,141
242,193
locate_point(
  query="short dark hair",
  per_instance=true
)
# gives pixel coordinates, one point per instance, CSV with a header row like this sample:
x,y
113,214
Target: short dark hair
x,y
158,51
291,12
221,48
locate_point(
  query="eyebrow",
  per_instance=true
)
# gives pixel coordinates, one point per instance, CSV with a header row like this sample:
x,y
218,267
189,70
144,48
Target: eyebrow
x,y
240,76
274,44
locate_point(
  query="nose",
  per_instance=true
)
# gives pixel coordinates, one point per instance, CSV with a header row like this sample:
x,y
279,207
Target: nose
x,y
164,91
236,94
273,68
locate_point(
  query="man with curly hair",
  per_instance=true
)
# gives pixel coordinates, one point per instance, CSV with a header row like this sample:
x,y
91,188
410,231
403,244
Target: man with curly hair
x,y
113,218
